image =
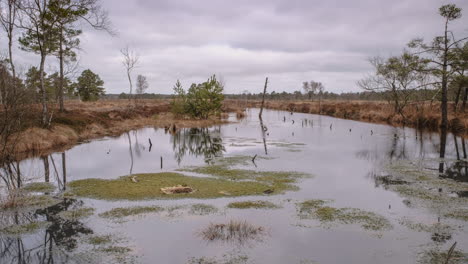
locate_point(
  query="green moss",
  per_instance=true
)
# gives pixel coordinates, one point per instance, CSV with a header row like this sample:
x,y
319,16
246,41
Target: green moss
x,y
149,187
23,229
315,209
128,211
461,214
253,204
39,187
100,240
77,214
202,209
417,192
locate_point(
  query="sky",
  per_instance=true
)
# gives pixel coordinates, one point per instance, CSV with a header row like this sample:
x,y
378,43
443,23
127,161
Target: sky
x,y
244,41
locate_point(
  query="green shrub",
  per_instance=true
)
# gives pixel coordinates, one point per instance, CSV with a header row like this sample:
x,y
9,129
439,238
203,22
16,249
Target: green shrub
x,y
201,100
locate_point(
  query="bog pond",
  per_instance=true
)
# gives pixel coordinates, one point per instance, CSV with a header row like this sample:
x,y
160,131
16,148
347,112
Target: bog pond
x,y
294,188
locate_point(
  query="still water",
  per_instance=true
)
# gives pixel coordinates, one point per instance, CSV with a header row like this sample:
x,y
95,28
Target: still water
x,y
346,159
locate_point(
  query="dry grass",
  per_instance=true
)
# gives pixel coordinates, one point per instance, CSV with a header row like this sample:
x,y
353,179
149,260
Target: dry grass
x,y
88,120
426,116
234,231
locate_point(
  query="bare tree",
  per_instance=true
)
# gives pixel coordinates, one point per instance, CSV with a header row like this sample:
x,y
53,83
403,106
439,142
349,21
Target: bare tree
x,y
399,77
130,61
8,18
142,84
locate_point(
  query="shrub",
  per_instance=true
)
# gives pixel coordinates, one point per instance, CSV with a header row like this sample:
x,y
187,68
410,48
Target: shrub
x,y
201,100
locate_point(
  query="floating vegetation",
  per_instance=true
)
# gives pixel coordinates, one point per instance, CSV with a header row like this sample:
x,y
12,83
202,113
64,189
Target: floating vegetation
x,y
202,209
226,259
315,209
44,187
149,186
253,204
116,250
130,211
77,213
234,231
460,214
435,256
20,200
32,227
100,240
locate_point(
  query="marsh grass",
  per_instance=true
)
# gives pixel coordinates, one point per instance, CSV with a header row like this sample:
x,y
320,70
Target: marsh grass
x,y
149,186
202,209
253,205
17,199
44,187
316,209
16,230
234,231
130,211
76,214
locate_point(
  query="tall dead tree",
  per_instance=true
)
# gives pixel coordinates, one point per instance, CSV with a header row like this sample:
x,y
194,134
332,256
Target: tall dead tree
x,y
130,61
8,18
263,98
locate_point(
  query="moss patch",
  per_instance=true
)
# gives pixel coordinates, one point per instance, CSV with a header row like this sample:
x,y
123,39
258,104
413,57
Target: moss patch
x,y
77,213
315,209
23,229
149,186
253,204
129,211
39,187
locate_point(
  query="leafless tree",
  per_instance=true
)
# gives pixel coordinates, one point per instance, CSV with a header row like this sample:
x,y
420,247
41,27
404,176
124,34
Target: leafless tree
x,y
8,18
142,84
130,62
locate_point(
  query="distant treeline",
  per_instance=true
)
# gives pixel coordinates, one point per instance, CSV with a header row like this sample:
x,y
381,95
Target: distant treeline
x,y
421,95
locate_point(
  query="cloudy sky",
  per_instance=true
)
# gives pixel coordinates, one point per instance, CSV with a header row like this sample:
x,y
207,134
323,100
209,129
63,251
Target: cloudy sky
x,y
290,41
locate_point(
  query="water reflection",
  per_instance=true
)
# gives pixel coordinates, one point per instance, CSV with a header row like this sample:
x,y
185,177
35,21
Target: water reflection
x,y
204,142
52,244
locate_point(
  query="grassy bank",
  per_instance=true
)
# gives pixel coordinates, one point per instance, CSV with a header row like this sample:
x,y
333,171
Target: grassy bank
x,y
424,116
84,121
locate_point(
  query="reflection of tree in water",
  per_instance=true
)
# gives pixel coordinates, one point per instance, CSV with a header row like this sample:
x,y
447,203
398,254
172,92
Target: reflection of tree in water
x,y
457,170
197,142
59,238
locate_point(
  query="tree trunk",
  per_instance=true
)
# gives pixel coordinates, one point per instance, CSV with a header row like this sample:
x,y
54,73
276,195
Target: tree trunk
x,y
457,97
131,85
263,98
43,92
61,105
444,112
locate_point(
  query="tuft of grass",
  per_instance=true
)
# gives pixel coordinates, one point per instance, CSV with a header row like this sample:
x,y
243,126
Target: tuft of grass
x,y
149,187
77,213
315,209
129,211
253,204
23,229
202,209
234,231
44,187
